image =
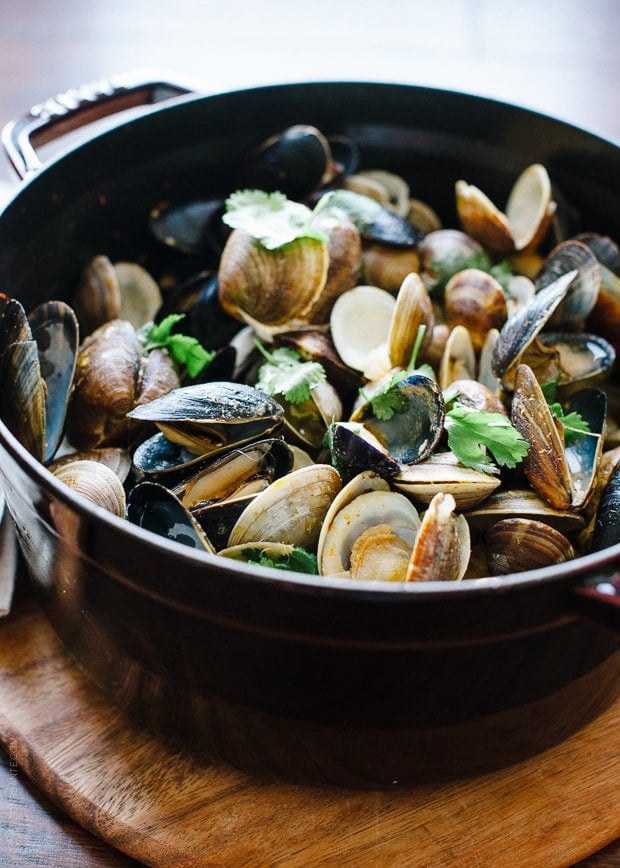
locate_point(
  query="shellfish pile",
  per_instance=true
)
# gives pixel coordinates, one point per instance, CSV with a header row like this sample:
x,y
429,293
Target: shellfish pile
x,y
379,397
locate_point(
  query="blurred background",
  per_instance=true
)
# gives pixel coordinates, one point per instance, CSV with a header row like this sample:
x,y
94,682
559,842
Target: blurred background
x,y
558,56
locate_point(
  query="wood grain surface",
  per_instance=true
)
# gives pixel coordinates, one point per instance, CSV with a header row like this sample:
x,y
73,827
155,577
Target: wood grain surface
x,y
164,807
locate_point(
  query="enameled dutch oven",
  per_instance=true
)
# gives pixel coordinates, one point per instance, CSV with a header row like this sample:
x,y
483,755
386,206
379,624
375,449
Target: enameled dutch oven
x,y
303,677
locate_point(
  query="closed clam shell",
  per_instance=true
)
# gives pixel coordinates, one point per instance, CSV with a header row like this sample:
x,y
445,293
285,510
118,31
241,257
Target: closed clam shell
x,y
442,472
291,510
97,299
96,482
476,300
272,287
518,544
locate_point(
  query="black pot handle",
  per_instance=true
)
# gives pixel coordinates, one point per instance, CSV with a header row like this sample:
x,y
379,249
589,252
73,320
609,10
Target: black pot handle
x,y
599,600
78,107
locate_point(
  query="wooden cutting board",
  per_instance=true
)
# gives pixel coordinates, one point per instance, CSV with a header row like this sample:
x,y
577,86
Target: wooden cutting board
x,y
165,807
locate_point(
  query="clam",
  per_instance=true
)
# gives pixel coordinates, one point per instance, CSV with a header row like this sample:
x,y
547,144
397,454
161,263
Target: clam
x,y
209,416
94,481
413,310
518,544
442,471
458,360
386,266
274,287
475,299
444,252
291,510
368,532
522,503
344,251
442,545
388,188
360,323
523,224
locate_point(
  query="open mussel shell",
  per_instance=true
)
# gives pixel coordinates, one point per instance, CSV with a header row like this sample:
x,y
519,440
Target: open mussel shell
x,y
209,416
582,292
373,221
584,359
518,544
291,510
355,449
524,325
54,327
216,491
155,508
23,396
414,430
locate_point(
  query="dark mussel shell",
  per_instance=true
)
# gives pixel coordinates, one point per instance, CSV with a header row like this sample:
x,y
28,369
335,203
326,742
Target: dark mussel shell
x,y
373,221
55,329
607,525
190,227
204,319
295,162
155,508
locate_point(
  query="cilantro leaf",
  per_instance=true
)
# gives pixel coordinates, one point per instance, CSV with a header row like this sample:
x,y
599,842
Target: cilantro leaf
x,y
299,560
388,400
271,218
574,423
470,431
184,349
286,373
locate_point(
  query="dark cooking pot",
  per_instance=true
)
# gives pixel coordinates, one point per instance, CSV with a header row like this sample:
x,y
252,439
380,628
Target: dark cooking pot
x,y
310,678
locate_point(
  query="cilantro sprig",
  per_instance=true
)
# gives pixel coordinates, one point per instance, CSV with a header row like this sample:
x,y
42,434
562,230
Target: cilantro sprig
x,y
286,373
573,423
187,351
271,218
471,432
388,400
299,560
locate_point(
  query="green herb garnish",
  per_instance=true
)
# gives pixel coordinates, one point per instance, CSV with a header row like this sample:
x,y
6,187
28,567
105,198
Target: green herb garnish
x,y
271,218
573,423
286,373
389,400
470,431
185,350
299,560
444,270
